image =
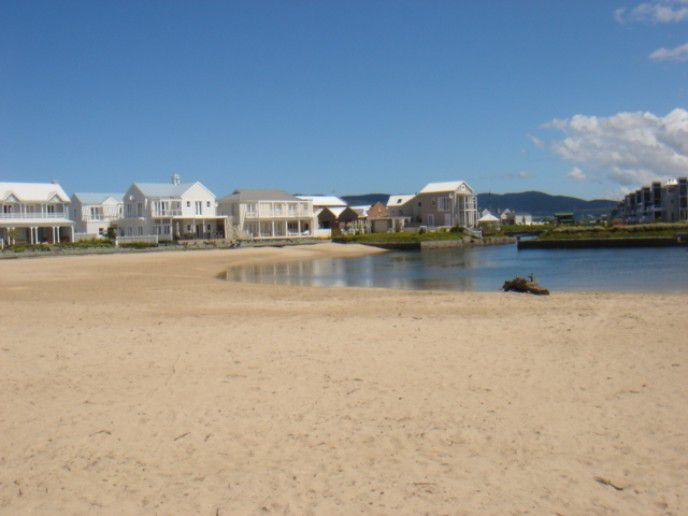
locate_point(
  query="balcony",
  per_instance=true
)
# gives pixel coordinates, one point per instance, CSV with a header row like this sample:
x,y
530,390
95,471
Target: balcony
x,y
16,215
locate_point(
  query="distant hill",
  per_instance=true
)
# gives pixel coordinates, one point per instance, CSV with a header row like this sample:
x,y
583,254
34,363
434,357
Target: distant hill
x,y
364,199
539,204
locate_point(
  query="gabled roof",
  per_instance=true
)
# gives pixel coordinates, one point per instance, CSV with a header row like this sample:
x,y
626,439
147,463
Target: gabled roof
x,y
97,198
398,200
37,192
163,189
323,200
447,186
336,211
255,195
361,210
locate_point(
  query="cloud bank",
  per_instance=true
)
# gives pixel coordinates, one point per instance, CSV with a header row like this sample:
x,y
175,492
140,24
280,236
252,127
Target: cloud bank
x,y
658,11
676,55
626,148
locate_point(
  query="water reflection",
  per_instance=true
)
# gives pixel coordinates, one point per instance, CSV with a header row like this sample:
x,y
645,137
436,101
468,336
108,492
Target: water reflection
x,y
485,269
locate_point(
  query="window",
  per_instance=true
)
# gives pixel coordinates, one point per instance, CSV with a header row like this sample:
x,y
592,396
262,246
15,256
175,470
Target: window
x,y
140,210
129,209
140,230
188,227
292,208
443,203
188,204
199,207
207,204
208,227
251,209
129,231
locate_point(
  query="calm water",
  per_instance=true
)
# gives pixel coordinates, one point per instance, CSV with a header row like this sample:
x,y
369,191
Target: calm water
x,y
486,268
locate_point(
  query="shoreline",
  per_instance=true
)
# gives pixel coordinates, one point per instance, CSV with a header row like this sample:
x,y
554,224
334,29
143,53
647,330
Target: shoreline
x,y
140,383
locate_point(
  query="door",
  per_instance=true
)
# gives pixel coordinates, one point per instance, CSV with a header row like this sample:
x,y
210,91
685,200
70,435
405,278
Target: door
x,y
431,219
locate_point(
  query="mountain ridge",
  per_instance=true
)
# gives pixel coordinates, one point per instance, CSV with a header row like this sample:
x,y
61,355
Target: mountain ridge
x,y
536,203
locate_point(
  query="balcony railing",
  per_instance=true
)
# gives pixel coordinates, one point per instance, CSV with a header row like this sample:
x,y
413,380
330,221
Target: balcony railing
x,y
265,212
167,213
34,215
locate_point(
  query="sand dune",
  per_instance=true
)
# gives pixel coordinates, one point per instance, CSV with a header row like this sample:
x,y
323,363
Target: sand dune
x,y
141,384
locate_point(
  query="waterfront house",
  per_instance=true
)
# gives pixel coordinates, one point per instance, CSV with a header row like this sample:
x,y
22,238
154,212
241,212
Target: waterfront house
x,y
326,212
380,220
508,217
94,213
171,211
405,206
269,214
33,213
451,203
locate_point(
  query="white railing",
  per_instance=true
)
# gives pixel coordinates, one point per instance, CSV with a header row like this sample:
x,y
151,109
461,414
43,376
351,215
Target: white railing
x,y
167,213
34,215
268,213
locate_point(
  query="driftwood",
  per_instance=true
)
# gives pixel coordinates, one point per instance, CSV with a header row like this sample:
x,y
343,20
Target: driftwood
x,y
519,284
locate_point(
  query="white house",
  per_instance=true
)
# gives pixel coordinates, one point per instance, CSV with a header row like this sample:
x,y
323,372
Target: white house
x,y
172,211
33,213
94,213
450,203
264,214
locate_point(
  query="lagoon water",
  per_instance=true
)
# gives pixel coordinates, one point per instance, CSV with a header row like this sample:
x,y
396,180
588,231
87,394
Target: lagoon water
x,y
486,268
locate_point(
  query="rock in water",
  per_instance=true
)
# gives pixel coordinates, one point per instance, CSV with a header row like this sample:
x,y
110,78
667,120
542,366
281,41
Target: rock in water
x,y
519,284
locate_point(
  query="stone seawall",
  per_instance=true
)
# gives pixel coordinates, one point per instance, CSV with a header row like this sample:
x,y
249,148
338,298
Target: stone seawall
x,y
601,243
466,242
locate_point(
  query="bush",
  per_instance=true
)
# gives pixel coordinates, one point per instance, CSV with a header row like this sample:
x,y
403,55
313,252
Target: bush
x,y
23,248
84,244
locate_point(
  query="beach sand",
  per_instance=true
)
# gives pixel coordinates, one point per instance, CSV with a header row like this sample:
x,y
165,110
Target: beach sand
x,y
142,384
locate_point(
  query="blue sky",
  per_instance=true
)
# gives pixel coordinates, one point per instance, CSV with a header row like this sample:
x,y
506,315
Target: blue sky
x,y
344,97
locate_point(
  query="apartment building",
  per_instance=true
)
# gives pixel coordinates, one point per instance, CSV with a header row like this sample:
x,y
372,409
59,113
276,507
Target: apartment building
x,y
658,202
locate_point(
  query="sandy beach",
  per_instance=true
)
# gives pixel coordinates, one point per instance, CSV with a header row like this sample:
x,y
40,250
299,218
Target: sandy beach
x,y
143,384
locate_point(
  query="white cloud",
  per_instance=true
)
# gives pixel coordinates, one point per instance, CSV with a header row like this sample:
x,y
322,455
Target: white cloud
x,y
676,55
521,174
626,148
656,11
577,174
536,141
